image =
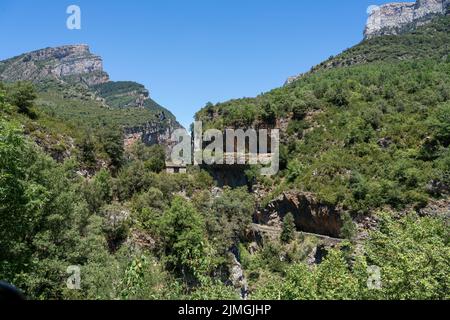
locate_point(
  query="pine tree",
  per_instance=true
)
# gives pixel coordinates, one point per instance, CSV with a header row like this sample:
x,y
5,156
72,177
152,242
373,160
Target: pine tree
x,y
288,233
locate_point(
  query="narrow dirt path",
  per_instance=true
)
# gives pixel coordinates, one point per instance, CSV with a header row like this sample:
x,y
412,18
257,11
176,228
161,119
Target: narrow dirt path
x,y
277,231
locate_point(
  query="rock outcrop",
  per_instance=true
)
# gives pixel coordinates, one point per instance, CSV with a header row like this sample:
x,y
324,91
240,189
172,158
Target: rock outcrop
x,y
55,63
394,18
152,133
310,215
237,277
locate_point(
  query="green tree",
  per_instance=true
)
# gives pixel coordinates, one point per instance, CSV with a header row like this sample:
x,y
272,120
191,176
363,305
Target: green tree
x,y
269,113
98,191
230,217
212,290
300,284
413,256
44,224
22,95
116,224
112,141
154,157
348,229
288,232
183,233
440,124
335,280
87,152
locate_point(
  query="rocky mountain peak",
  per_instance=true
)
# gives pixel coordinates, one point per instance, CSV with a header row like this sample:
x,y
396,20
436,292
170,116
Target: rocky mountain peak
x,y
79,76
55,63
394,18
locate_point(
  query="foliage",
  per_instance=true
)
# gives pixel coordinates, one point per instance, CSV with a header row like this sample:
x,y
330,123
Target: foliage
x,y
228,216
182,230
154,157
412,254
22,95
349,229
42,219
367,129
112,140
288,233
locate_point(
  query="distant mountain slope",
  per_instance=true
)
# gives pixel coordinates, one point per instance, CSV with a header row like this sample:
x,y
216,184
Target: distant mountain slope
x,y
364,130
72,85
60,63
429,41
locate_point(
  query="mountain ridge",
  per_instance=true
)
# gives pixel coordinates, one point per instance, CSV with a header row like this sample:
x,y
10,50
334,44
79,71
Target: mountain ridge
x,y
392,47
73,73
57,63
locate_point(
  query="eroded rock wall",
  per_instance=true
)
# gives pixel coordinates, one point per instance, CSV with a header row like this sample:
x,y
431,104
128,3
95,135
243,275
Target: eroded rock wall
x,y
310,215
393,18
57,63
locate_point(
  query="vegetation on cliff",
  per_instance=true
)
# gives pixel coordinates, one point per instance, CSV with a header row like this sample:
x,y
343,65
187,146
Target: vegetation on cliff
x,y
367,135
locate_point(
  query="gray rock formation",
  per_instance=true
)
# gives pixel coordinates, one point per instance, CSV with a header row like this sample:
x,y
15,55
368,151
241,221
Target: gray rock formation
x,y
394,18
55,63
152,133
310,215
237,277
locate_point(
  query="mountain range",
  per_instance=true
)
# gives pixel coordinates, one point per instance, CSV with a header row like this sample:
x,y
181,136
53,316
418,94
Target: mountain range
x,y
72,75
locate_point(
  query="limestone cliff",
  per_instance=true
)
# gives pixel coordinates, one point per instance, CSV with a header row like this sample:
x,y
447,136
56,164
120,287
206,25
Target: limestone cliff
x,y
394,18
309,214
56,63
402,23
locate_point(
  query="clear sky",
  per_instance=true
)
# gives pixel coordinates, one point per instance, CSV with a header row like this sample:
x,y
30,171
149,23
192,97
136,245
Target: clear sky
x,y
189,52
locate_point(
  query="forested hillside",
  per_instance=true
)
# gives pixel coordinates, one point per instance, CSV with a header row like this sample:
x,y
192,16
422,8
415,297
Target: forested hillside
x,y
366,135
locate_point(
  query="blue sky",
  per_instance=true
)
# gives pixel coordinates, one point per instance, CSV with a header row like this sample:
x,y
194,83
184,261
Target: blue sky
x,y
189,52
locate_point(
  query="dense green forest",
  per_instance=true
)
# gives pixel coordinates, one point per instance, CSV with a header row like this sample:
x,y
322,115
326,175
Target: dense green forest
x,y
370,137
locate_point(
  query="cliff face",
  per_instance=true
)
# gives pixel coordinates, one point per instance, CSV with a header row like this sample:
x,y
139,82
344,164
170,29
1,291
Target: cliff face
x,y
152,133
393,18
409,21
57,63
309,214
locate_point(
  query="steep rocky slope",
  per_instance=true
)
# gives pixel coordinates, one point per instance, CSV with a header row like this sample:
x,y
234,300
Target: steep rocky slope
x,y
73,85
62,63
394,18
414,43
